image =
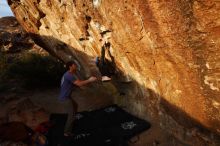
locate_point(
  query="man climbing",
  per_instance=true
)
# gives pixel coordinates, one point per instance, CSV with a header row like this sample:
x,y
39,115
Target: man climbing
x,y
68,105
106,67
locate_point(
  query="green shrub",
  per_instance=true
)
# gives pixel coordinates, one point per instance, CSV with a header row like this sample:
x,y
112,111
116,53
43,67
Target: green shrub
x,y
35,71
4,84
3,65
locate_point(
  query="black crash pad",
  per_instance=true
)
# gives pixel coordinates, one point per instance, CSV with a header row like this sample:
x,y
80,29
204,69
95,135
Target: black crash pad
x,y
109,126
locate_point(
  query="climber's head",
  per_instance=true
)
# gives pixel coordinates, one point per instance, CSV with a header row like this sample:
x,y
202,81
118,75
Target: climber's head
x,y
71,66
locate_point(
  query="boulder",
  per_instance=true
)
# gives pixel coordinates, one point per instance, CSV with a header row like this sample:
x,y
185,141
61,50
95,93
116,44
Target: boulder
x,y
166,53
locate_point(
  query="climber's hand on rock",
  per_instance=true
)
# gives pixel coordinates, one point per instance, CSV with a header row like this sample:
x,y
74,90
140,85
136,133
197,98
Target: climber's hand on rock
x,y
92,79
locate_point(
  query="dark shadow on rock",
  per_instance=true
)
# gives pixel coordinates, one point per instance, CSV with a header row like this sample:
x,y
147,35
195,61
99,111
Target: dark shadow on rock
x,y
65,53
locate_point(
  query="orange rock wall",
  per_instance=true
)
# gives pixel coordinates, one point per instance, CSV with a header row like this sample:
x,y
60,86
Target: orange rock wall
x,y
170,49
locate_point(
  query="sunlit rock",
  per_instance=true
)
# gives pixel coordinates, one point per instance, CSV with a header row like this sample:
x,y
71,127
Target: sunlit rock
x,y
166,52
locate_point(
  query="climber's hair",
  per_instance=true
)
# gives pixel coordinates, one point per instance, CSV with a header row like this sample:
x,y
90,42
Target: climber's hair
x,y
70,63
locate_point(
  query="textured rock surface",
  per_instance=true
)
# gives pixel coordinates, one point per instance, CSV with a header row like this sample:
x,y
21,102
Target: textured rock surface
x,y
22,110
168,49
14,39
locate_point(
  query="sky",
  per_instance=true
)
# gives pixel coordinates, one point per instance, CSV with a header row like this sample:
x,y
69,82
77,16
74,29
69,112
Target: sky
x,y
5,9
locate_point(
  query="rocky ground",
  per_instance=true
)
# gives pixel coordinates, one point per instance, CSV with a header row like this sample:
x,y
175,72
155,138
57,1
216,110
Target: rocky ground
x,y
34,107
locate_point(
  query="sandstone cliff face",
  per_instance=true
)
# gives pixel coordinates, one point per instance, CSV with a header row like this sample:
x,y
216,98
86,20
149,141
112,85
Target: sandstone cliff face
x,y
168,49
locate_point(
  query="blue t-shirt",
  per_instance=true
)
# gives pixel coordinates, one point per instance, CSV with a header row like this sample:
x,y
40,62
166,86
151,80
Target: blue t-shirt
x,y
67,86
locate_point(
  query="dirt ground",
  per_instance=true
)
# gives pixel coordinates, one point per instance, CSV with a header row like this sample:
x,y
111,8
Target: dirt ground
x,y
90,100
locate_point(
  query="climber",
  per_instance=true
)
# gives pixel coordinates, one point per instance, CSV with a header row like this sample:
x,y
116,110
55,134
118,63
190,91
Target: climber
x,y
68,105
106,67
